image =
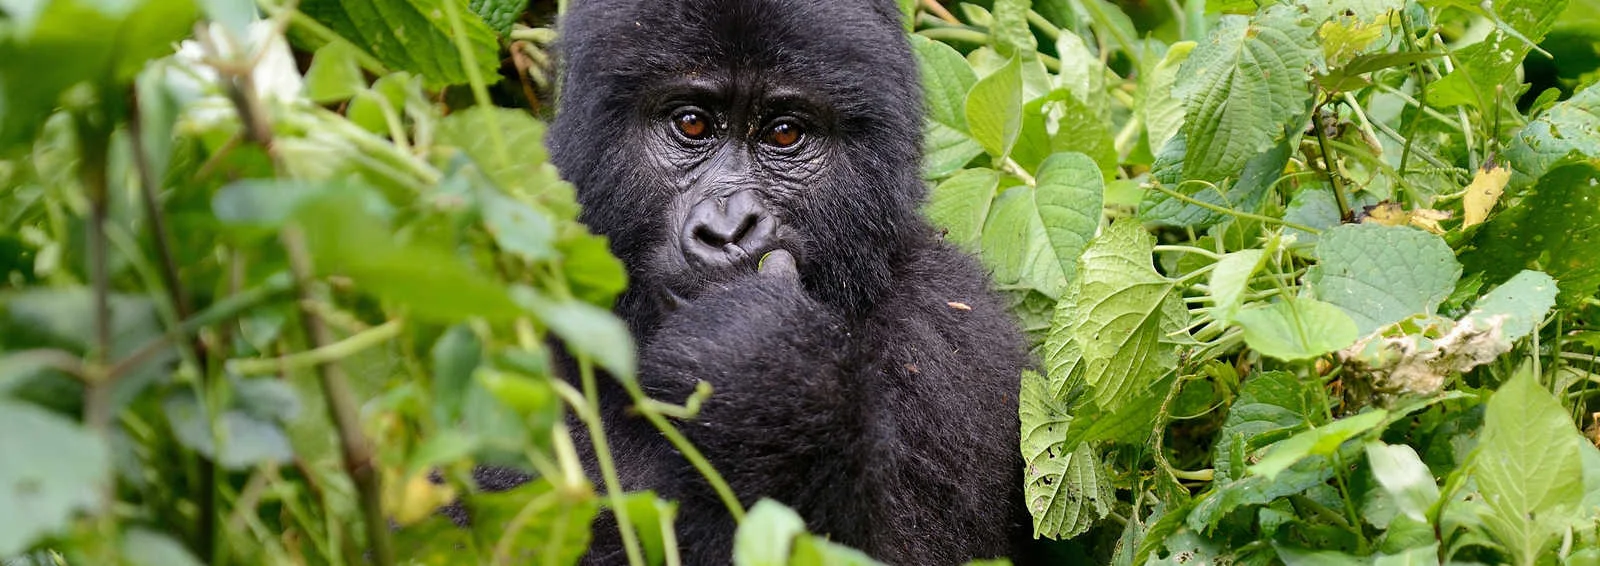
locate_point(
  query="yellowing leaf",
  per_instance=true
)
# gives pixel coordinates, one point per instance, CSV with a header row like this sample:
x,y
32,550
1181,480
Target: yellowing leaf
x,y
415,498
1392,214
1482,193
1343,40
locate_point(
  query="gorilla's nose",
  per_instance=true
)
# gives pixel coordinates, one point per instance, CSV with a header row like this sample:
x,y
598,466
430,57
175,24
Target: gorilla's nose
x,y
724,231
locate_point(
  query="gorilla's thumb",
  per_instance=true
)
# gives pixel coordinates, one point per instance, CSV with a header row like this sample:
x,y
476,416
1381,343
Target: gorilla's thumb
x,y
778,262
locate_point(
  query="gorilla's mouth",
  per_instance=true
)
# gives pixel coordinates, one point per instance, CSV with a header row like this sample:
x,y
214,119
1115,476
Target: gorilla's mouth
x,y
779,258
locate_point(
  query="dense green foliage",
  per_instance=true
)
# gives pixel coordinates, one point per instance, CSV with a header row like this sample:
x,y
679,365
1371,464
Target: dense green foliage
x,y
1311,281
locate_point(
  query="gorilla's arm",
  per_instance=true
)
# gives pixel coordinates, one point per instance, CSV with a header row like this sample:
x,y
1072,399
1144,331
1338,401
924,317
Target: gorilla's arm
x,y
898,433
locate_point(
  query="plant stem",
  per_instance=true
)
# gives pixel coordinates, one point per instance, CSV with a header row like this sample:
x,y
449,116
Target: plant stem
x,y
480,89
1014,168
324,354
696,459
1329,161
1232,212
342,406
270,289
956,34
937,9
1050,30
206,521
93,145
608,469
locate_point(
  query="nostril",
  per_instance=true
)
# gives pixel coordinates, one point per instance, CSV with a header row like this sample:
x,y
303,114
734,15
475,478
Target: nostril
x,y
710,237
745,226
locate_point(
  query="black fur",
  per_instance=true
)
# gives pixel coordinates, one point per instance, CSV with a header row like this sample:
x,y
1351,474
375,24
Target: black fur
x,y
872,386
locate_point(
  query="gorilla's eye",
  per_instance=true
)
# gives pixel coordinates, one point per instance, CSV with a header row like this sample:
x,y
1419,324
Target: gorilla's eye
x,y
784,133
693,124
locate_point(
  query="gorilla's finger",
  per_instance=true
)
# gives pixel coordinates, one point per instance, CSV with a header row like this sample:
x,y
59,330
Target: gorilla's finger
x,y
779,262
736,254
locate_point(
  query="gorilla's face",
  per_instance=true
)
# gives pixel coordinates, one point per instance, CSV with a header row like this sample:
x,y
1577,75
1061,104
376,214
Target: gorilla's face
x,y
738,159
704,134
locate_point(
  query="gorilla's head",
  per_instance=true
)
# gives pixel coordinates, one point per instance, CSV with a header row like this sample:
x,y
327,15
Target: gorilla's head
x,y
703,134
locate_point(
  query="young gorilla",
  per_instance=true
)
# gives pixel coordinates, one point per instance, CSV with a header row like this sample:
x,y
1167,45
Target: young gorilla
x,y
755,165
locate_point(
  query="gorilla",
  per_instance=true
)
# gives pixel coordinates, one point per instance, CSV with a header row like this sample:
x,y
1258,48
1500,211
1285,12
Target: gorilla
x,y
754,164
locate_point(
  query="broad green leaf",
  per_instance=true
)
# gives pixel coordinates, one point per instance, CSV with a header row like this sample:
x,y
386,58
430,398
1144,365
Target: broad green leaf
x,y
63,317
532,398
653,519
1224,498
1063,355
1419,556
1571,128
946,149
1010,34
247,439
1516,306
1069,194
1130,423
1123,316
976,15
1380,274
412,35
946,79
1061,122
1270,407
812,550
584,328
1243,190
1554,230
520,169
766,534
1313,207
50,468
372,108
1305,557
516,226
1528,467
1082,74
908,14
1067,490
143,547
1401,473
1320,441
455,356
432,282
1016,247
48,46
556,533
1351,76
1300,329
1229,281
1242,87
596,276
1492,63
334,74
262,206
960,205
1344,38
1161,110
994,109
498,14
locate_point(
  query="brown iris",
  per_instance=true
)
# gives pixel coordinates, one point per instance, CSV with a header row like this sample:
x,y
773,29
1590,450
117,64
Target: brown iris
x,y
783,134
692,125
